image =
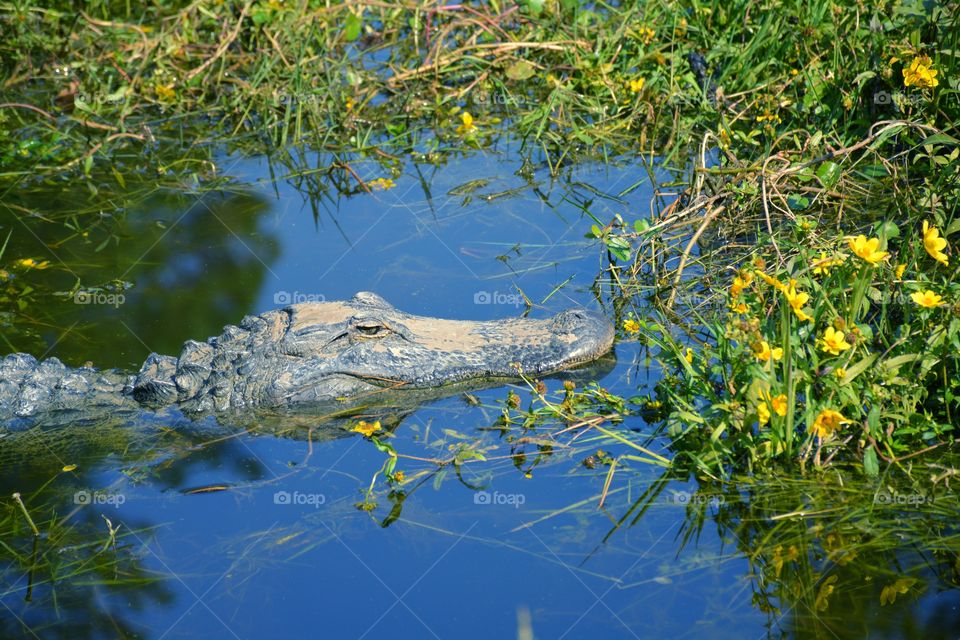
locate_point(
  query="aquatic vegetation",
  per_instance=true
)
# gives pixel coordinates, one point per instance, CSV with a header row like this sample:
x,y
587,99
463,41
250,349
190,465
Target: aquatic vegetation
x,y
867,372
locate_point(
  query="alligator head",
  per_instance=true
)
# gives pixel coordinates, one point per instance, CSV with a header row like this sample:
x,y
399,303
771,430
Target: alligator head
x,y
315,353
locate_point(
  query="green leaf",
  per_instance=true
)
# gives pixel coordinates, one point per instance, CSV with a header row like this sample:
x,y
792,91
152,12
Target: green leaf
x,y
829,174
873,420
870,464
798,203
535,7
857,369
895,363
889,230
351,28
939,138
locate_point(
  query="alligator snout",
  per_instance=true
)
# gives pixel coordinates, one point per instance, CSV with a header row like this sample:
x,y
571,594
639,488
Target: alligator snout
x,y
593,333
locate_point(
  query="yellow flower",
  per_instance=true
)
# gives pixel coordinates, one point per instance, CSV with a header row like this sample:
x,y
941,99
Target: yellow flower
x,y
833,341
920,73
688,356
779,404
840,372
797,299
828,422
763,413
898,273
646,34
823,264
381,184
399,476
769,117
467,125
631,326
867,249
934,244
736,288
770,280
366,428
764,353
636,86
927,299
165,91
30,263
740,307
349,104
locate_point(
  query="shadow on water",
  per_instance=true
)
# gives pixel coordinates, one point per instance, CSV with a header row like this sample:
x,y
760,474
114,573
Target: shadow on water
x,y
252,526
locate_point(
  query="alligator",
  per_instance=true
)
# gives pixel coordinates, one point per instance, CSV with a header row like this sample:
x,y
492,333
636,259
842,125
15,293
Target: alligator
x,y
305,356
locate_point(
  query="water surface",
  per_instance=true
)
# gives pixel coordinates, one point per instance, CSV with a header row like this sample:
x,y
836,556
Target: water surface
x,y
513,547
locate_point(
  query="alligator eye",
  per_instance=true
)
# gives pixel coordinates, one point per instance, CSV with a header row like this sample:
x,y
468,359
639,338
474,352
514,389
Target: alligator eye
x,y
371,330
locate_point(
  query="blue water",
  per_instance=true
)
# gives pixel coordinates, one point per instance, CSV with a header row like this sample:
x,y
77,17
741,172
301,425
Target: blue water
x,y
283,551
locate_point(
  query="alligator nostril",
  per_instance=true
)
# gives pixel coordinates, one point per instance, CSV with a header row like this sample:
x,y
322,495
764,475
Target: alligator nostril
x,y
571,319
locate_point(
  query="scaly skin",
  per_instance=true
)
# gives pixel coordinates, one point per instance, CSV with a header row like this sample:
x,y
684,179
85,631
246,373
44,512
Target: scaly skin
x,y
311,354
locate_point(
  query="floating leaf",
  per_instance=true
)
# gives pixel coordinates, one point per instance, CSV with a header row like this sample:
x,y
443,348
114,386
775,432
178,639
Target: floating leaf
x,y
520,70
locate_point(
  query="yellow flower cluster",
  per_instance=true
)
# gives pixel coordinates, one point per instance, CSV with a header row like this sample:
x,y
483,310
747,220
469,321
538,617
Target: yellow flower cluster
x,y
822,266
646,35
920,73
381,184
778,404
